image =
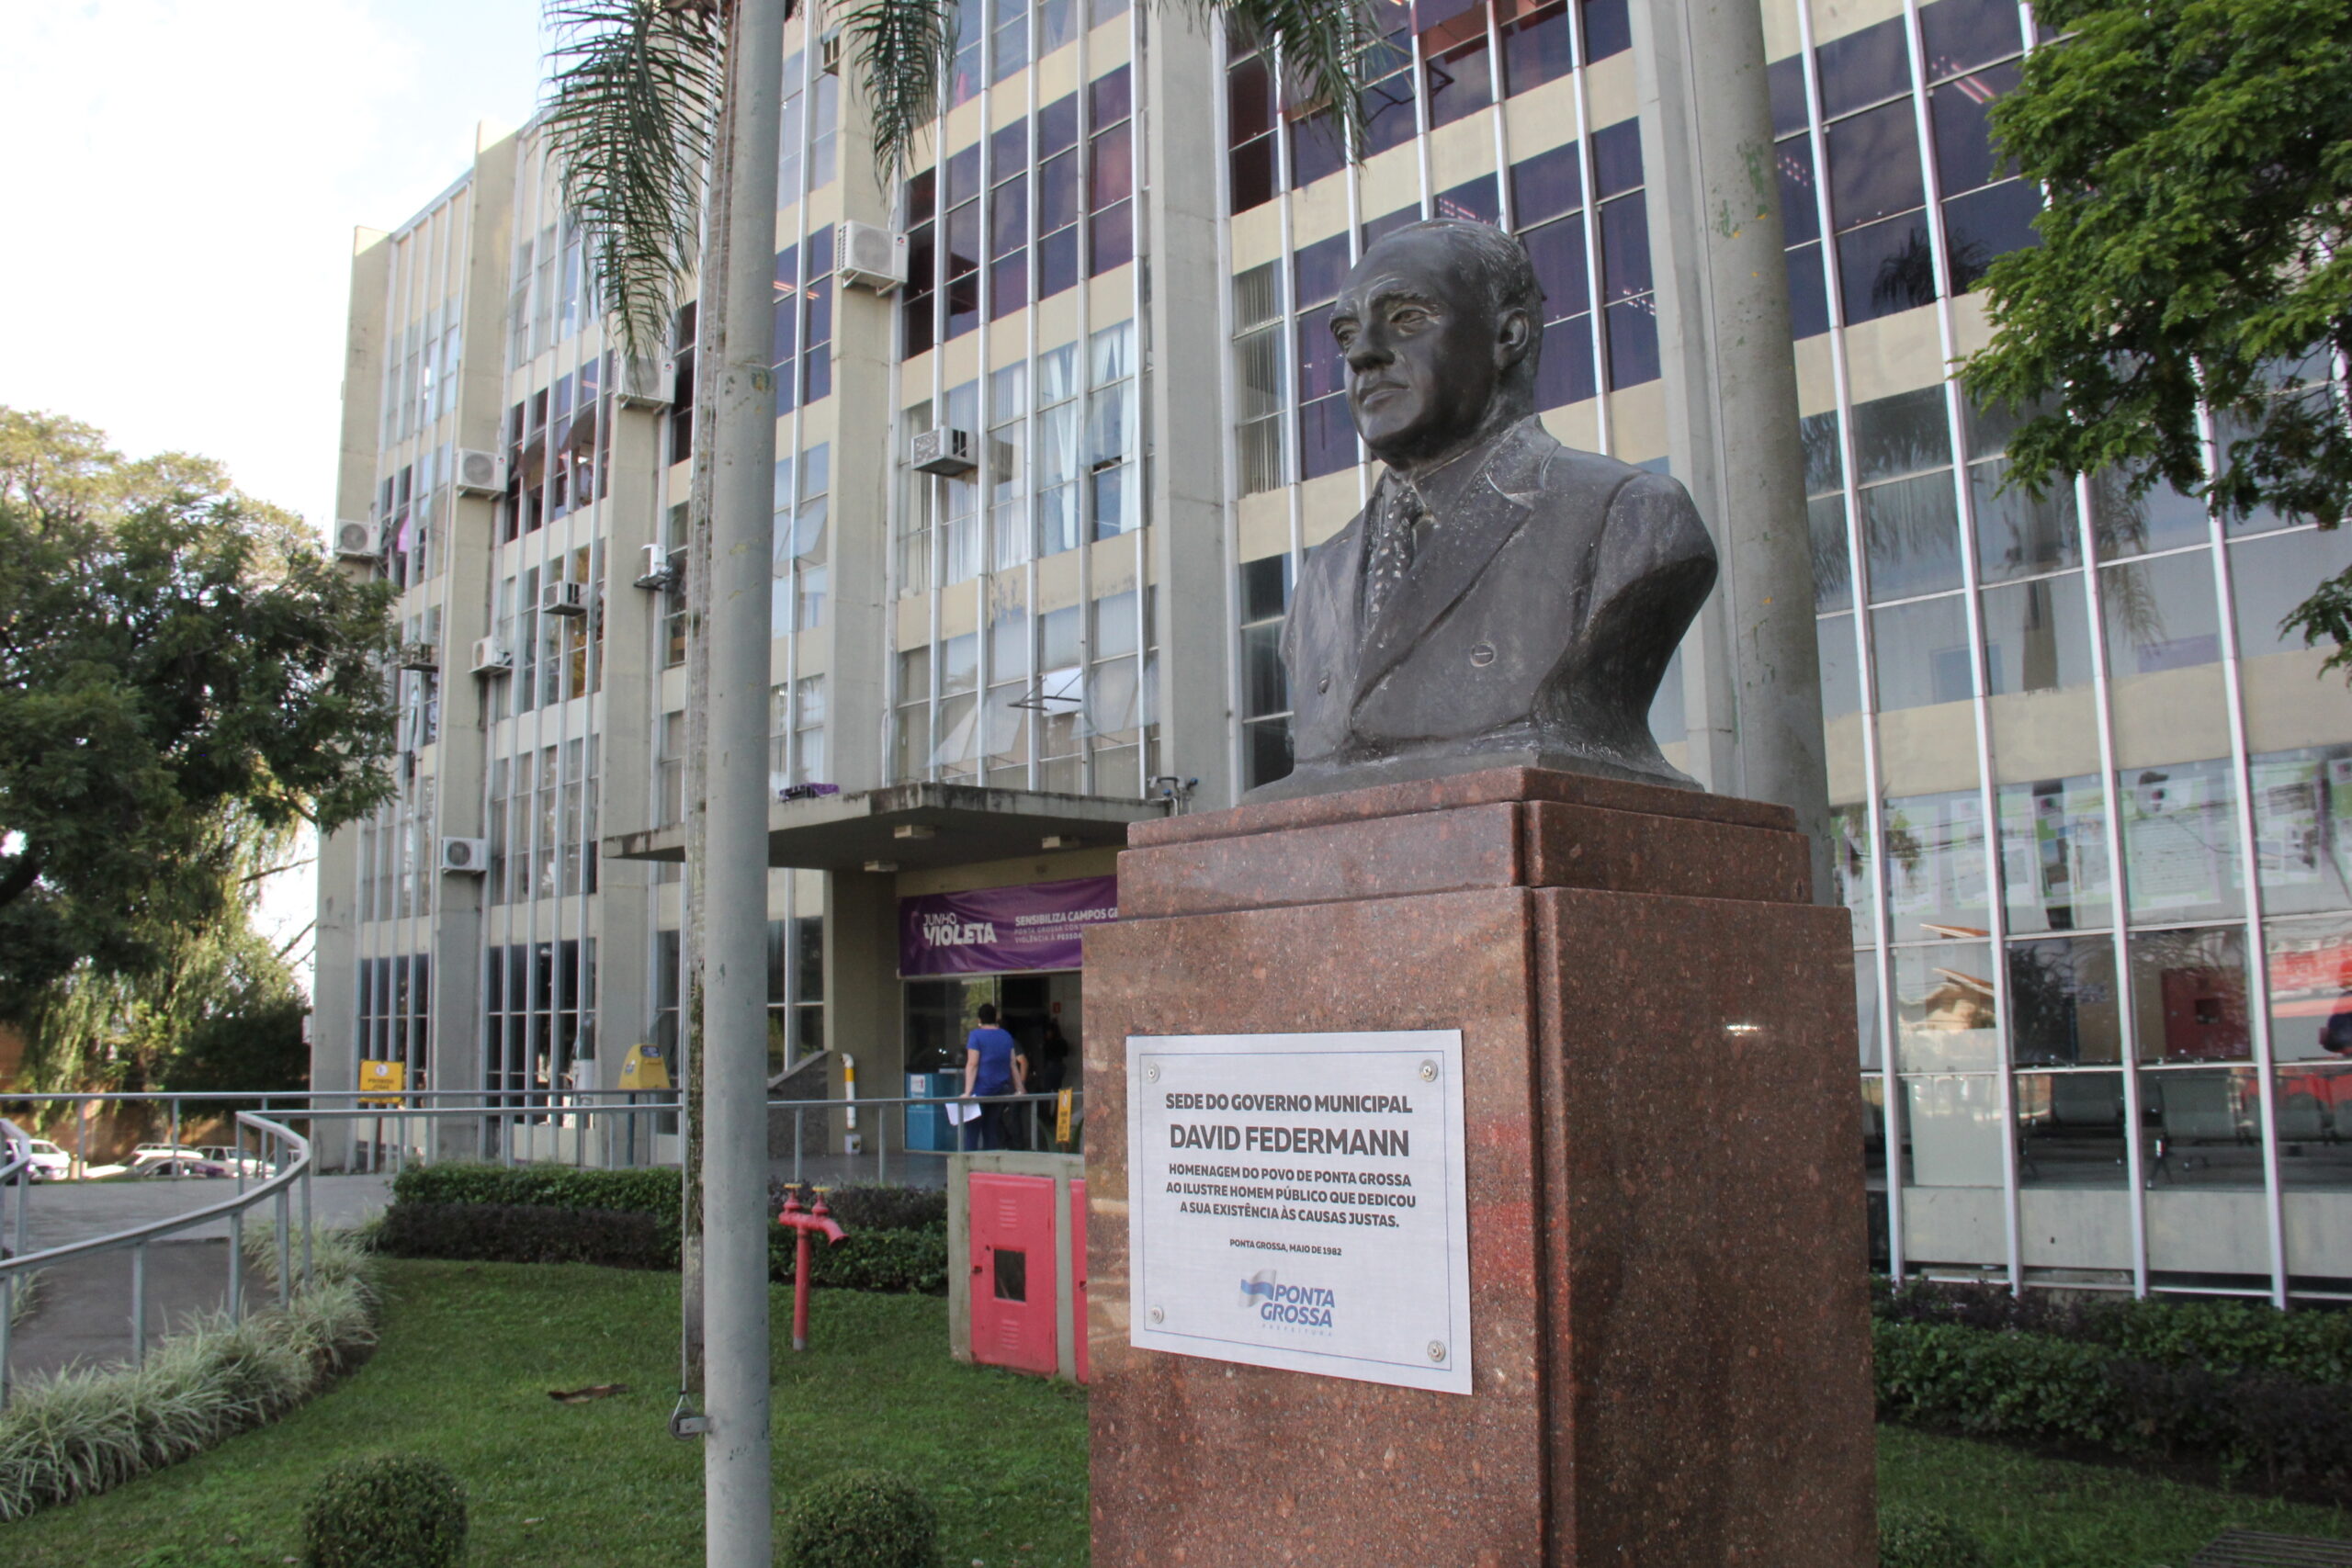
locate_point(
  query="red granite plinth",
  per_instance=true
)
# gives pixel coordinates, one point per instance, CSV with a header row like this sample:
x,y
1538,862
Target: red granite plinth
x,y
1670,1320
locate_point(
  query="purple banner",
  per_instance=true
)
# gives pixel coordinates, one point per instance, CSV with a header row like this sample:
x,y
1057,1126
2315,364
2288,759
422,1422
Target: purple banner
x,y
996,928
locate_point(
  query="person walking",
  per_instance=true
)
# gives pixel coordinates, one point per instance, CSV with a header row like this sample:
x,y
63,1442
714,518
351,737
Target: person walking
x,y
993,1065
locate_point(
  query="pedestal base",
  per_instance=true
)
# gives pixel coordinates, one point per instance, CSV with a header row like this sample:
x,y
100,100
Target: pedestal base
x,y
1669,1322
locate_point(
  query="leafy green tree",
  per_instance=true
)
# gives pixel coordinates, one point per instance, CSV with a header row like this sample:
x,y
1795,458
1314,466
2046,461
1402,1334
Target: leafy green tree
x,y
184,678
2197,157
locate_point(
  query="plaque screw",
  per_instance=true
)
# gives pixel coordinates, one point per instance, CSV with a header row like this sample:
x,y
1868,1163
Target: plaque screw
x,y
1437,1346
1151,1075
1157,1315
1428,1072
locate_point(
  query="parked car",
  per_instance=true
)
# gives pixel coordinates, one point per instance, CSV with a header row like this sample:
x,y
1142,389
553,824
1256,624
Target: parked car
x,y
178,1166
224,1153
145,1152
50,1162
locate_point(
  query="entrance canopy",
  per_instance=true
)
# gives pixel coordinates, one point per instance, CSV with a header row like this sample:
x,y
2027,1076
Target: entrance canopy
x,y
914,827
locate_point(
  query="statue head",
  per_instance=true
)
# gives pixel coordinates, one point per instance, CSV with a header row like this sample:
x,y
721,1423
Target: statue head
x,y
1441,324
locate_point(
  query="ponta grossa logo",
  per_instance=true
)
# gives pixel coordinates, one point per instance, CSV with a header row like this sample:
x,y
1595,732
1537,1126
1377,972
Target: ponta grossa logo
x,y
1303,1307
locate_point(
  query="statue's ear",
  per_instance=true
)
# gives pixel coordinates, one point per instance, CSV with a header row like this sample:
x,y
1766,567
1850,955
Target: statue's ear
x,y
1513,332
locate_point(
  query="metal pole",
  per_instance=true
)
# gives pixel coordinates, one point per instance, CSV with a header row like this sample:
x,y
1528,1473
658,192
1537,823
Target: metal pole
x,y
285,1247
7,1311
306,1210
139,1304
237,1265
737,1489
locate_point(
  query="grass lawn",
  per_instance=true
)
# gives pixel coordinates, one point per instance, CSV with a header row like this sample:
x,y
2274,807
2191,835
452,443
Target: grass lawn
x,y
468,1355
470,1351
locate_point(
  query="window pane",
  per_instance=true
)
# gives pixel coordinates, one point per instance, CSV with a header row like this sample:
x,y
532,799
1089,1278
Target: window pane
x,y
1963,33
1885,268
1262,691
1808,293
1536,48
1833,577
1953,1132
1841,691
1547,183
1327,438
1249,101
1935,865
1607,29
2070,1129
2189,995
1057,192
1321,371
1558,251
1986,225
1057,126
1472,201
1920,654
2272,574
2303,828
2160,615
1564,373
1633,343
2037,635
1901,435
1943,1008
1458,81
1785,81
2063,1007
1110,238
1800,208
1862,68
2311,1001
2016,534
1317,270
1911,529
1617,158
1874,165
2054,873
2180,841
1960,112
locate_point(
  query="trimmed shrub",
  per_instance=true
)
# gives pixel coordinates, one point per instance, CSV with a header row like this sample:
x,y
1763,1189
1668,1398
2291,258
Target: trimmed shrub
x,y
903,1261
861,1518
526,1233
652,1191
385,1511
865,1207
1923,1538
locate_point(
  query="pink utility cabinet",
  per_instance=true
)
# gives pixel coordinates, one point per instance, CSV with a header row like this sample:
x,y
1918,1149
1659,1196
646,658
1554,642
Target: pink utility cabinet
x,y
1016,1226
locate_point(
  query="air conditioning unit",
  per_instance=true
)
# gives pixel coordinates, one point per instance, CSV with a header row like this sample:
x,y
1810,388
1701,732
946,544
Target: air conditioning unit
x,y
645,383
480,473
491,656
465,857
828,52
870,256
355,541
563,599
946,451
420,656
662,569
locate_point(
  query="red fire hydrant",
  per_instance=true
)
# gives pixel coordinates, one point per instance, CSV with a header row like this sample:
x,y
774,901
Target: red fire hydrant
x,y
805,1222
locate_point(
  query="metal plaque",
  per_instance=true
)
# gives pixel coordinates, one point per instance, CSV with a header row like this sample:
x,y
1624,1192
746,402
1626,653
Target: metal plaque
x,y
1296,1200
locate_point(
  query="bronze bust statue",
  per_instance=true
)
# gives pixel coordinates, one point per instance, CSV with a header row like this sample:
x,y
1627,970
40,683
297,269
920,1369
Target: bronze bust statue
x,y
1501,599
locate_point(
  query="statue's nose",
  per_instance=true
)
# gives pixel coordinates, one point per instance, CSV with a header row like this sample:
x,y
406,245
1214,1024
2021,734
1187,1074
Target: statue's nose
x,y
1368,351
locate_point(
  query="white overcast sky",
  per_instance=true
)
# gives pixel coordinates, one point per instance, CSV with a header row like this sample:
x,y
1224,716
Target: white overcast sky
x,y
183,177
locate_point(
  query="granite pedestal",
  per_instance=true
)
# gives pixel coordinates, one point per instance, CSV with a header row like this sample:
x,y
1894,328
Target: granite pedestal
x,y
1669,1325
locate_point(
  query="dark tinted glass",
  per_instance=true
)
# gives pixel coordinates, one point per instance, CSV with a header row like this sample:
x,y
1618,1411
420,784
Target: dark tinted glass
x,y
1056,262
1459,84
1633,343
964,176
1249,101
1884,269
1058,190
1607,30
1265,588
1911,531
1962,112
1617,157
1315,151
1057,125
1808,293
1319,270
1265,748
1986,225
1109,173
1863,68
1475,201
1111,234
1901,435
1785,80
920,326
1008,149
1327,438
1557,250
963,239
1963,33
1253,174
1799,203
1008,285
1563,375
1536,48
1108,97
1624,248
2062,1002
922,196
1320,369
1832,575
820,252
1546,184
1388,223
2018,535
1009,217
1874,166
923,258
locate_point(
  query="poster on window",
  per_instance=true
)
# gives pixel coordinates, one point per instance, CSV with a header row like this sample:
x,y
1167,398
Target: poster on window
x,y
2177,833
2287,822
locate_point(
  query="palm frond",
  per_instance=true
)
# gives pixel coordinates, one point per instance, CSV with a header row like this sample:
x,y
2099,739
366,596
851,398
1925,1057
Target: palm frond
x,y
633,97
897,46
1323,46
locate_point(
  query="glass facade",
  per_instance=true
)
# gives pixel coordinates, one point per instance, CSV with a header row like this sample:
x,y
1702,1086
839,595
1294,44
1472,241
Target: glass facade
x,y
2091,803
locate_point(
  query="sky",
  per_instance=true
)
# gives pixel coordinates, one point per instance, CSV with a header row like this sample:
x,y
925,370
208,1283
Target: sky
x,y
184,180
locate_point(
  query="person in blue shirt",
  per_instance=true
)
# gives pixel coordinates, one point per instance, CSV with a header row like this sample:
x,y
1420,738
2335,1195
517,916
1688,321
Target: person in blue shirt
x,y
993,1065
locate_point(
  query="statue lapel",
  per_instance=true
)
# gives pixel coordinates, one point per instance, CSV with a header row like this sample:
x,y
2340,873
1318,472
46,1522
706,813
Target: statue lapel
x,y
1458,550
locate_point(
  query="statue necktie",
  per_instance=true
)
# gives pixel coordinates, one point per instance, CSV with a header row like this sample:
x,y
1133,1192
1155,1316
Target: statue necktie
x,y
1392,549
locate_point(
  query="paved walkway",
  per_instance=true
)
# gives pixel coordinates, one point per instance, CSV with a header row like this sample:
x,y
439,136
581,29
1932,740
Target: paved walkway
x,y
66,1211
81,1313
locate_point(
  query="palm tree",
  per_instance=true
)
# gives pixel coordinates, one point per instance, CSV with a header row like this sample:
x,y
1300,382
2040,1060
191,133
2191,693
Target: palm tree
x,y
652,106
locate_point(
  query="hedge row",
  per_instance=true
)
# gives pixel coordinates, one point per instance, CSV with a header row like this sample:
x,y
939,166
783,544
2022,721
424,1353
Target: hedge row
x,y
629,1219
2016,1383
2224,1337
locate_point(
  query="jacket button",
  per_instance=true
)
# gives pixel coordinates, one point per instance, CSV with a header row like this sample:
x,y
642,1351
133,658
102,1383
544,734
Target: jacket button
x,y
1483,655
1324,684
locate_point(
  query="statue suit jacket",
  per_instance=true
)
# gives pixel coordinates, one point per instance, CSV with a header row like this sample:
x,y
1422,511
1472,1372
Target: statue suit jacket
x,y
1532,626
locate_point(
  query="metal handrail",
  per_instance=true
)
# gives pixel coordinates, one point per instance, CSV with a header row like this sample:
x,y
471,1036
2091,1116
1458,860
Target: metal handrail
x,y
286,1152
